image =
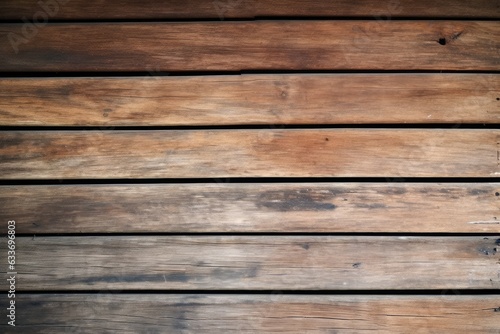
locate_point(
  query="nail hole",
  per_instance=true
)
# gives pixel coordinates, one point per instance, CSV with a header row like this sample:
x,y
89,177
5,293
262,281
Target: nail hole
x,y
442,41
497,194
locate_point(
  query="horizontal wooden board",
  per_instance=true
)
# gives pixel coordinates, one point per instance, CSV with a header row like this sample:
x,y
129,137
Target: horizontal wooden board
x,y
249,153
259,45
255,262
107,312
251,99
254,207
225,9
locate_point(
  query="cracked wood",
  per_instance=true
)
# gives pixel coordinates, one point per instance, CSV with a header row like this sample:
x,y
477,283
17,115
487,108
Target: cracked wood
x,y
58,263
262,313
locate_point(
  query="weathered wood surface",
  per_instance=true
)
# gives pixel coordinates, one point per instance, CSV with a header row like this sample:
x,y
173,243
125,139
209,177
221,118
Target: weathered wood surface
x,y
181,9
260,45
255,263
219,283
251,99
107,312
253,207
249,153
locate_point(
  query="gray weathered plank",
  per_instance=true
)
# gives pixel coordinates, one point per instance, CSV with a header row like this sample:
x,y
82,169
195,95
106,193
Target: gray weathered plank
x,y
253,207
58,263
107,312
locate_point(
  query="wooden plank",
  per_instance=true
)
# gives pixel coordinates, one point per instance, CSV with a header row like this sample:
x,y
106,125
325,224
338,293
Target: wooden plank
x,y
249,153
177,9
255,263
276,313
253,207
251,99
259,45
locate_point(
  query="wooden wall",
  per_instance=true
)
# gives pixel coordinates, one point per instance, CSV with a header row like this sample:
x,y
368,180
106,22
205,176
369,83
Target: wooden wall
x,y
251,166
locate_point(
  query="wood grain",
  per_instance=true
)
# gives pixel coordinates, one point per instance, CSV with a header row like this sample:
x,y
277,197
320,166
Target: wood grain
x,y
255,263
178,9
251,99
107,312
249,153
155,271
253,207
259,45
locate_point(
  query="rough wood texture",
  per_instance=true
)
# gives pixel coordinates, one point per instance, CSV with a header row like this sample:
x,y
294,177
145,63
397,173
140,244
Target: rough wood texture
x,y
251,99
180,9
226,207
217,282
255,263
264,45
275,313
249,153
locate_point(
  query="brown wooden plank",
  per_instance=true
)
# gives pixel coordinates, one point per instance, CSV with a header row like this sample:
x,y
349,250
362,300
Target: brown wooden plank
x,y
255,262
249,153
233,207
259,45
251,99
178,9
275,313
